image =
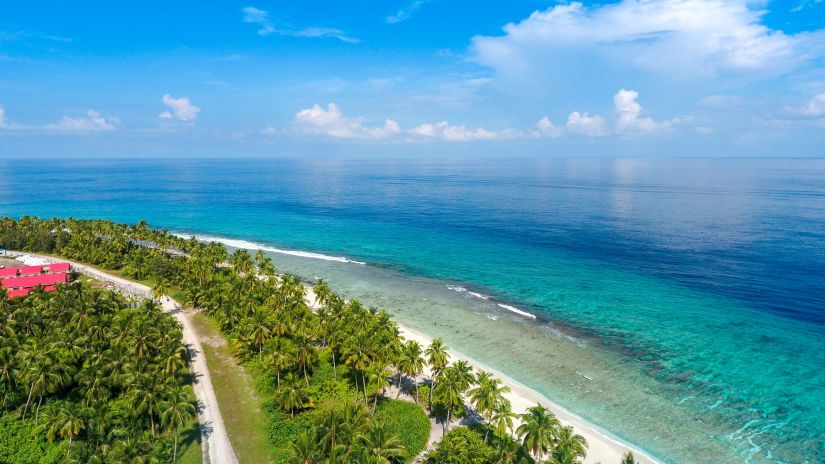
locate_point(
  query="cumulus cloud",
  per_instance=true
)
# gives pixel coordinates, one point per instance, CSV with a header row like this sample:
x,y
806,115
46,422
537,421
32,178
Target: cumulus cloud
x,y
443,130
584,124
92,122
686,38
546,128
630,121
260,17
181,109
331,122
3,121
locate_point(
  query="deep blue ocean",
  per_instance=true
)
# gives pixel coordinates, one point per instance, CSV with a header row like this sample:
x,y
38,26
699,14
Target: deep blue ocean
x,y
681,302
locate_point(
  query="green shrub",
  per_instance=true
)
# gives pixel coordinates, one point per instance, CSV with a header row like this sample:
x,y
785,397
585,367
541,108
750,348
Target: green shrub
x,y
461,445
408,420
424,395
19,445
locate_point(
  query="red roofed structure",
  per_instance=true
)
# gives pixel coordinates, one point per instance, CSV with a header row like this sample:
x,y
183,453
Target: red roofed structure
x,y
34,281
60,267
31,270
19,292
21,281
9,272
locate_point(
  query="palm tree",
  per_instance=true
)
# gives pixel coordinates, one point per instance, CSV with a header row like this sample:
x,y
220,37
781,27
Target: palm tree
x,y
628,458
304,450
450,394
502,418
305,354
175,413
410,363
71,425
323,294
290,396
382,446
328,428
437,358
377,375
358,356
355,423
538,430
487,395
280,357
160,289
570,447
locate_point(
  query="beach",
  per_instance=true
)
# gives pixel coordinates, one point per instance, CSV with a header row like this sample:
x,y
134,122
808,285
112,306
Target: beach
x,y
602,448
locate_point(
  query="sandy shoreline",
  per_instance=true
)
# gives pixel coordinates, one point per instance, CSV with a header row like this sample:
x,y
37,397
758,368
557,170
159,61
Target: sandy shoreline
x,y
602,448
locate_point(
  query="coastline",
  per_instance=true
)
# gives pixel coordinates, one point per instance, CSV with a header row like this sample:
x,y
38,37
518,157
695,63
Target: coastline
x,y
602,447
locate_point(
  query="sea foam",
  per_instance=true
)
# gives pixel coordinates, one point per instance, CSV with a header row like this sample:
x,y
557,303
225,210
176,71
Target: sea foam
x,y
236,243
516,310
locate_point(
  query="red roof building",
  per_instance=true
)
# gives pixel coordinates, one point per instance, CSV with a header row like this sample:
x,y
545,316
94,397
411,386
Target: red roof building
x,y
9,272
21,281
60,267
31,270
19,292
34,281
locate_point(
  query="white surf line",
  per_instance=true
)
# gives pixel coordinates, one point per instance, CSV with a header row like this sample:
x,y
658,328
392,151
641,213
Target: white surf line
x,y
516,310
512,309
213,433
246,245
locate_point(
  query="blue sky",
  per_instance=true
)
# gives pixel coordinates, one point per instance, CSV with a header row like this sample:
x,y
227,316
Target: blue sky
x,y
409,78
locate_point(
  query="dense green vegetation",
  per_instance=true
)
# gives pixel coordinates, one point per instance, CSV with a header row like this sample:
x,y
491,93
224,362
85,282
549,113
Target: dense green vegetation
x,y
326,372
109,384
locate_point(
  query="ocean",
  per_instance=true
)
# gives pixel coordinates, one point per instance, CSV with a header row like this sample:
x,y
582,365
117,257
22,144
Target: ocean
x,y
677,303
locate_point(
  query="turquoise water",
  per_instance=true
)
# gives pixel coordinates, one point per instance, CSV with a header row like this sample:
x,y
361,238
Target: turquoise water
x,y
680,302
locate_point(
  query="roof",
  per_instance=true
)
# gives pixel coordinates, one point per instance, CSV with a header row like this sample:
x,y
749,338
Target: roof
x,y
30,270
16,293
34,281
9,271
60,267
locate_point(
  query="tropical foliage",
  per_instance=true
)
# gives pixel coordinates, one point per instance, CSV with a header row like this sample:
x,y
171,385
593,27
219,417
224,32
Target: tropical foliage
x,y
326,366
109,384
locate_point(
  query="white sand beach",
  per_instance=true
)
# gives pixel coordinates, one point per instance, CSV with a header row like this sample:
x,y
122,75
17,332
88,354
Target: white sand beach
x,y
602,448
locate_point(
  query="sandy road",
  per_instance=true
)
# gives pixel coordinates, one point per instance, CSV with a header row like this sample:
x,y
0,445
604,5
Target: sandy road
x,y
218,449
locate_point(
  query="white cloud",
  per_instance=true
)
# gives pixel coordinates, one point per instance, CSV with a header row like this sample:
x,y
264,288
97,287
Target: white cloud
x,y
331,122
584,124
630,121
3,121
805,4
181,108
814,108
260,17
92,122
546,128
404,13
443,130
256,16
686,38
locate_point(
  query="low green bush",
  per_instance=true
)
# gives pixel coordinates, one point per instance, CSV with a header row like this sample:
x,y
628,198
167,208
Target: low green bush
x,y
19,445
408,420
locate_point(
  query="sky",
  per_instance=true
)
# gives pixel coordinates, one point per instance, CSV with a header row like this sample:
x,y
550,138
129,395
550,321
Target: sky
x,y
705,78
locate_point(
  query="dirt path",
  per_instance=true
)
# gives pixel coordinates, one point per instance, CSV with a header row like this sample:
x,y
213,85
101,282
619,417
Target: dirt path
x,y
217,449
